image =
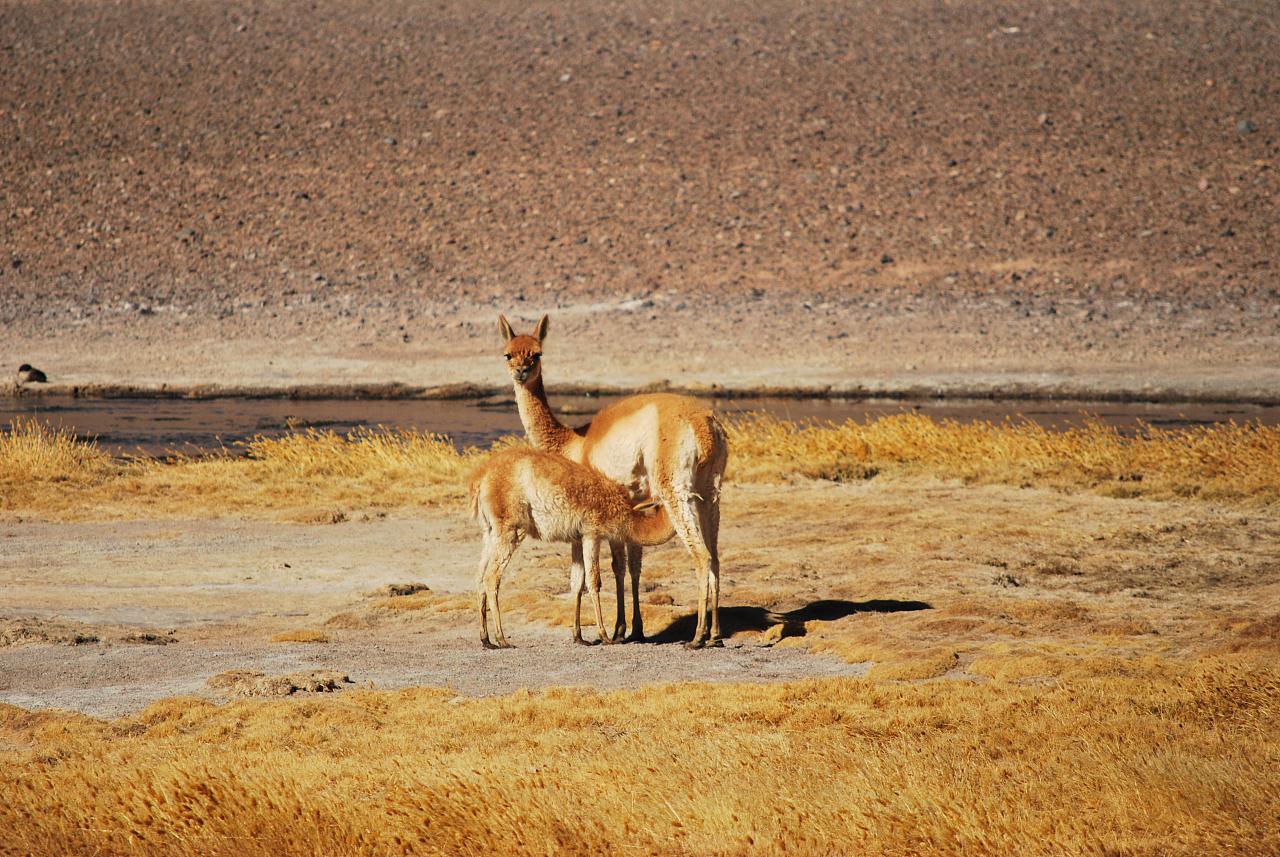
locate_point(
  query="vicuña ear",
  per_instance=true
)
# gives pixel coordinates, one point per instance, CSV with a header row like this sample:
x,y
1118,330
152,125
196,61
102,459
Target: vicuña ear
x,y
647,506
540,332
504,327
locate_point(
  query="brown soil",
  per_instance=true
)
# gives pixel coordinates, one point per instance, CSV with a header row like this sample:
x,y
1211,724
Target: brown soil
x,y
1075,197
901,578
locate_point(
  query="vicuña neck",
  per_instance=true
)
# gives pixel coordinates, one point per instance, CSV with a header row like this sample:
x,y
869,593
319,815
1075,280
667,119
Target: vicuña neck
x,y
545,432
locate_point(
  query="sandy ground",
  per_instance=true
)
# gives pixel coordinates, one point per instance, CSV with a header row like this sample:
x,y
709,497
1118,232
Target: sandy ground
x,y
910,566
1070,199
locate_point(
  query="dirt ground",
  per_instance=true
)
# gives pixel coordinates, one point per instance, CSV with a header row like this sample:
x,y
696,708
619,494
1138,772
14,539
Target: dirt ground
x,y
1072,199
897,578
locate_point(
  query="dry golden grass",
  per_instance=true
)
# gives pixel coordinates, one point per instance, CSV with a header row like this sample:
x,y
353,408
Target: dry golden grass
x,y
32,452
1158,760
1081,731
308,477
316,476
1231,461
302,635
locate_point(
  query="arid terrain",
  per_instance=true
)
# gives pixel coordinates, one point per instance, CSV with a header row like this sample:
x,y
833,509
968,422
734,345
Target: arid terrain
x,y
1036,641
942,636
1073,198
912,576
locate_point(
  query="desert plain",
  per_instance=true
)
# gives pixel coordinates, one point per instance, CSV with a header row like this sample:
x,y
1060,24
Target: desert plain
x,y
940,638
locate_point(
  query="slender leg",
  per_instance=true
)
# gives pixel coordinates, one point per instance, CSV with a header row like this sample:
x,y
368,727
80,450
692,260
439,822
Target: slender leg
x,y
635,553
711,536
485,553
577,579
687,523
503,550
704,579
618,559
591,547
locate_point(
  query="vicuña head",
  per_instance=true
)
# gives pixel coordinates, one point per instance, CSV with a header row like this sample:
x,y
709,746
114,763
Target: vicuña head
x,y
649,524
523,352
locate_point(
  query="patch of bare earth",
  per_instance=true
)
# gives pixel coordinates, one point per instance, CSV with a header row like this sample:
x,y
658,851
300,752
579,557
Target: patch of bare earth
x,y
898,578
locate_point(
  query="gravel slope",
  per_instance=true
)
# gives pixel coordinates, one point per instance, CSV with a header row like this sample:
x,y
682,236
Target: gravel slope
x,y
263,193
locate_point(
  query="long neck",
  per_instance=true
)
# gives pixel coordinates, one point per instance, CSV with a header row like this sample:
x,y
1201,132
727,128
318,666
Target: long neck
x,y
653,528
544,431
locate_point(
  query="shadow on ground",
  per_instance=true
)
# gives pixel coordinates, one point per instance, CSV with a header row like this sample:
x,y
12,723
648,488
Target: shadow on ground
x,y
748,618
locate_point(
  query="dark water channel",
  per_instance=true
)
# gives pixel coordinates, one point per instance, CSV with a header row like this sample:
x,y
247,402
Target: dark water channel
x,y
156,426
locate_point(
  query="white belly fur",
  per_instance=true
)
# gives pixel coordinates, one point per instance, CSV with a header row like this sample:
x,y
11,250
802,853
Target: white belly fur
x,y
630,452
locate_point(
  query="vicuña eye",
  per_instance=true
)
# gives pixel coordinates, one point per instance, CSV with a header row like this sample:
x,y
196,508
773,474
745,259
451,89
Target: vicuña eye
x,y
537,356
508,356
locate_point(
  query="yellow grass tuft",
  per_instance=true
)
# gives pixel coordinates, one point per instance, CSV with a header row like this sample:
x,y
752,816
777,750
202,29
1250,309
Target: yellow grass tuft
x,y
34,452
1231,461
438,602
302,635
307,477
1169,760
315,476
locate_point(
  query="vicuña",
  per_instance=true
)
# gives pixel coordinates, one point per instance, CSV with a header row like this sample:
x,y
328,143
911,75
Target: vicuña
x,y
661,445
523,492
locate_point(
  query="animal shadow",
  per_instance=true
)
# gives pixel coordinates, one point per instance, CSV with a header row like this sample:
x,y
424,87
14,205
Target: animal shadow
x,y
749,618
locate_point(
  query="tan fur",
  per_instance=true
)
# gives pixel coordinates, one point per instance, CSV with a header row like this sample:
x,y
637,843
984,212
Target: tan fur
x,y
670,446
519,492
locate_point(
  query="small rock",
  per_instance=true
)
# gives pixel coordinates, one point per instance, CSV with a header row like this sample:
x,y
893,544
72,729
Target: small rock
x,y
397,590
148,638
1244,126
390,141
255,683
886,259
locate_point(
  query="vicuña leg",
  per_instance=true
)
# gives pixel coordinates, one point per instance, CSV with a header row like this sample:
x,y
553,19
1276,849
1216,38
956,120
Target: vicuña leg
x,y
498,555
710,515
485,553
577,580
591,549
687,521
618,560
635,554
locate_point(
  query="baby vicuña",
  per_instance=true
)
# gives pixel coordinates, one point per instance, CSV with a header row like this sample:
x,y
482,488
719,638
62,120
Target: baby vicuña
x,y
523,492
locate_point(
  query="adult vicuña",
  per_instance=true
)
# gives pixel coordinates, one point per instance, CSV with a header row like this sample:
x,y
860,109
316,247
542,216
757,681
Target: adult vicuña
x,y
661,445
523,492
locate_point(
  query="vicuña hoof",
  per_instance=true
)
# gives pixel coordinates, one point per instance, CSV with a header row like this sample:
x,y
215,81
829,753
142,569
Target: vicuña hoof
x,y
694,644
635,637
715,643
489,645
582,642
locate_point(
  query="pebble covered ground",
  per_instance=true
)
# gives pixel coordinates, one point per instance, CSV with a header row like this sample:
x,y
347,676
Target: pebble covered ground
x,y
937,181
